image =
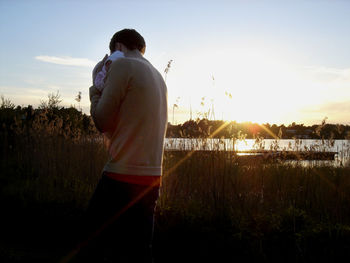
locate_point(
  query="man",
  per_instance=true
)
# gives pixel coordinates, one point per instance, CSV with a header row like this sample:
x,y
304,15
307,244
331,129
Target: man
x,y
132,112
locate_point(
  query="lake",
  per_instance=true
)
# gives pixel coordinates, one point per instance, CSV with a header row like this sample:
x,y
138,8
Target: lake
x,y
342,147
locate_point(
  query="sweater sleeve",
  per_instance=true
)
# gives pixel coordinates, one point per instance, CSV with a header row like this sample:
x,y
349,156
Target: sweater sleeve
x,y
105,107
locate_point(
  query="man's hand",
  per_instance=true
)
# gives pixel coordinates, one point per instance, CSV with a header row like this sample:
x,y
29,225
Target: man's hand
x,y
98,68
94,94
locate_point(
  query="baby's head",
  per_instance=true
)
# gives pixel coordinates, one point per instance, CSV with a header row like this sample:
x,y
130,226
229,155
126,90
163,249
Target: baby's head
x,y
130,38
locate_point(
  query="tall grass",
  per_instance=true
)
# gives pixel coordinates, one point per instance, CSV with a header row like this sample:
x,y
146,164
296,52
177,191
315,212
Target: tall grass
x,y
265,211
47,162
211,204
220,184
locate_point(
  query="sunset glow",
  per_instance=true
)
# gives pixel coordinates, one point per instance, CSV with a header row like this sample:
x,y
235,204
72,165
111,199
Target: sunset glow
x,y
258,61
245,85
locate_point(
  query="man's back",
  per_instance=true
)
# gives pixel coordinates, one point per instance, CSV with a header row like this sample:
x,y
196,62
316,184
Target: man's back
x,y
133,111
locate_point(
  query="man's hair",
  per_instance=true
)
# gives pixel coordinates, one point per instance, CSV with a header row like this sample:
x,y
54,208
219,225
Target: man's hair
x,y
129,38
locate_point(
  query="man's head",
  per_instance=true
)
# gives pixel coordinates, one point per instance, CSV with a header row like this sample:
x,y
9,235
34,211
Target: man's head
x,y
130,38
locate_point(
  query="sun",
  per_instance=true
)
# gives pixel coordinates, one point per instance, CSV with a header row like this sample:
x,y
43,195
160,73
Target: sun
x,y
255,86
244,84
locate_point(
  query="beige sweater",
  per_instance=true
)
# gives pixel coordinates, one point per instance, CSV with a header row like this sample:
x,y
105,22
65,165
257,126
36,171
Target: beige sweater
x,y
132,110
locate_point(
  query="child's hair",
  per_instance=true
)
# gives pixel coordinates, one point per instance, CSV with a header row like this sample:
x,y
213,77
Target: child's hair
x,y
129,38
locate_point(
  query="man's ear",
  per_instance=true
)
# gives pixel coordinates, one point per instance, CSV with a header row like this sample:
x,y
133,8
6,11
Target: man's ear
x,y
143,50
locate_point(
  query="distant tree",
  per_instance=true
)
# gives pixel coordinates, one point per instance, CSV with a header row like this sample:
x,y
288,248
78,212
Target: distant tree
x,y
6,103
53,101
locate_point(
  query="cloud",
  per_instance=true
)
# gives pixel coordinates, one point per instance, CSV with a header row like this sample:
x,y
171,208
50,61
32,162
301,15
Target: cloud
x,y
330,74
335,71
330,107
337,107
67,61
336,111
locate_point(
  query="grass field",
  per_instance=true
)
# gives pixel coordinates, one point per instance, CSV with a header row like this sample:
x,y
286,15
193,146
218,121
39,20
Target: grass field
x,y
211,205
220,208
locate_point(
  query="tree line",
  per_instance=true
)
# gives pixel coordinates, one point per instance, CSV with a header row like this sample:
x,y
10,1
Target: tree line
x,y
72,121
248,130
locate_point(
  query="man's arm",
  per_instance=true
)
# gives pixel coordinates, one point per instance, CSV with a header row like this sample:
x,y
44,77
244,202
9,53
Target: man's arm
x,y
104,107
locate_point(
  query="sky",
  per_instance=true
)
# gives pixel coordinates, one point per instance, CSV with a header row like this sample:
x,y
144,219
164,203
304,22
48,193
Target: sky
x,y
257,61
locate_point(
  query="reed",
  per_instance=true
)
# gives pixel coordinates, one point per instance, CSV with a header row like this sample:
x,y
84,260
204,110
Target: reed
x,y
276,211
211,203
48,161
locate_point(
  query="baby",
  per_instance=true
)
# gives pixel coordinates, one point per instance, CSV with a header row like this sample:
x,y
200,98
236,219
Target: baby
x,y
100,77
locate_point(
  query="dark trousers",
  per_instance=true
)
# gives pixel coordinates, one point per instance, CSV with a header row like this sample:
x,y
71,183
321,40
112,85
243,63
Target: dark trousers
x,y
119,223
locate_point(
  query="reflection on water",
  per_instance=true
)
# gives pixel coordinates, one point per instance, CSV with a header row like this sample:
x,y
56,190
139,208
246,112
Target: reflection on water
x,y
341,147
